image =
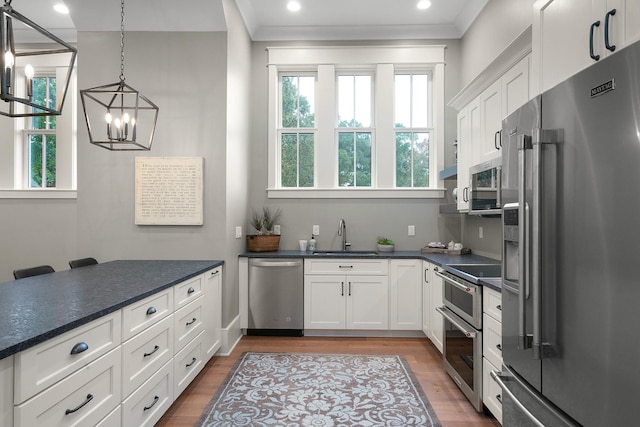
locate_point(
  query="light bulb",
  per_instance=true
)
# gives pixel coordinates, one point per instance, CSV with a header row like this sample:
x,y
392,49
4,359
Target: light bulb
x,y
108,118
293,6
424,4
133,121
8,59
125,118
29,71
117,123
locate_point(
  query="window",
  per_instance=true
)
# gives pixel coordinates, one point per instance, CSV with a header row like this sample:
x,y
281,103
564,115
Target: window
x,y
297,133
412,133
350,122
354,130
40,136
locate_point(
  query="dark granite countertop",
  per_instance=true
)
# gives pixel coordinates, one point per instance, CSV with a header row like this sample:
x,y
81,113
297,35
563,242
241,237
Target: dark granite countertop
x,y
435,258
35,309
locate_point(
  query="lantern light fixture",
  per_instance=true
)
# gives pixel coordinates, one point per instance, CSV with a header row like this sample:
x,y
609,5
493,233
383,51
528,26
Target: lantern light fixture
x,y
119,118
28,50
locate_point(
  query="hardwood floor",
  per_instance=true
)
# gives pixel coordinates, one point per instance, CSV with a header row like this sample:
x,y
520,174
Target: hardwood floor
x,y
450,405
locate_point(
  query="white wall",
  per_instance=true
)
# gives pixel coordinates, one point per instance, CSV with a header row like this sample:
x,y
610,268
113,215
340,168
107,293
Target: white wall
x,y
499,23
365,218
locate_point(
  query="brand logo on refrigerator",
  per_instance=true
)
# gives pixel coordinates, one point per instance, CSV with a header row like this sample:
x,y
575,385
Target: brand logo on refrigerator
x,y
603,88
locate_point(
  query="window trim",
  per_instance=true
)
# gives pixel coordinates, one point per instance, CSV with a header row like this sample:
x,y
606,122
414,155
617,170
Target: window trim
x,y
328,62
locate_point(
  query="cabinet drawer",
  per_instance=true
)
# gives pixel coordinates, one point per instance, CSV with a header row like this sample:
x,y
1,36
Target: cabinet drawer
x,y
492,340
145,353
188,291
346,266
45,364
82,399
188,323
187,364
144,313
492,303
113,419
147,404
491,390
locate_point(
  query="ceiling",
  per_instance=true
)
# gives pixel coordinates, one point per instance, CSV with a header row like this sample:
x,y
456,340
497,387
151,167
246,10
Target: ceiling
x,y
266,19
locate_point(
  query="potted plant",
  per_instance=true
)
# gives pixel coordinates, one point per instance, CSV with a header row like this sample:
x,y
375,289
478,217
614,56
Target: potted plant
x,y
263,222
385,245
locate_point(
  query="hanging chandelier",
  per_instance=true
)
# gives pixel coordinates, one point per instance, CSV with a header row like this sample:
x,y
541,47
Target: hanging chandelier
x,y
30,57
119,118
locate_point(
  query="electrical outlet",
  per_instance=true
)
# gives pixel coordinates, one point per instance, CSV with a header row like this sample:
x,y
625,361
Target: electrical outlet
x,y
412,230
480,232
316,230
238,232
276,229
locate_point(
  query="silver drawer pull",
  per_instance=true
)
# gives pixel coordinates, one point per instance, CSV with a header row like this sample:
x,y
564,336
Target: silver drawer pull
x,y
155,348
190,290
151,310
188,365
192,322
79,348
155,400
77,408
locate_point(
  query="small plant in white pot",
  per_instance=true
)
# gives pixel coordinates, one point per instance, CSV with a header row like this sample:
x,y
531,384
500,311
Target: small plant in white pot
x,y
385,245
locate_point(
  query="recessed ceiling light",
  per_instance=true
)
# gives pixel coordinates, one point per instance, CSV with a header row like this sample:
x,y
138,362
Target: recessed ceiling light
x,y
293,6
61,8
424,4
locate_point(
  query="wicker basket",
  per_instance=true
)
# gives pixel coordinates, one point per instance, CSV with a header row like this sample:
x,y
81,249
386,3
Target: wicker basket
x,y
263,243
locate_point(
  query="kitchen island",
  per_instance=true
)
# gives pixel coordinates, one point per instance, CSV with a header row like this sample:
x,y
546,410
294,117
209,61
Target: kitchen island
x,y
107,344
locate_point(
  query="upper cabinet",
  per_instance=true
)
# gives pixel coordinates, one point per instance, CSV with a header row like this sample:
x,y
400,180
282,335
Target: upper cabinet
x,y
570,35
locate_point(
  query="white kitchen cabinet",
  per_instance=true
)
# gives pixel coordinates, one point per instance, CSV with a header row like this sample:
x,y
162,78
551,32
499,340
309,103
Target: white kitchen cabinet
x,y
346,302
405,294
491,350
334,299
151,400
212,339
515,88
6,391
487,146
468,129
426,298
563,29
436,286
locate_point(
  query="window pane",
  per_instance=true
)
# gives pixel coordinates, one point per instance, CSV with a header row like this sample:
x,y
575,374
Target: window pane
x,y
297,160
419,95
297,107
354,159
421,160
412,159
354,101
403,101
35,161
51,161
403,159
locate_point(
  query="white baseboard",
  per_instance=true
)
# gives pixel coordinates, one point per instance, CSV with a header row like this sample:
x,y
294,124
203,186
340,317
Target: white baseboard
x,y
231,335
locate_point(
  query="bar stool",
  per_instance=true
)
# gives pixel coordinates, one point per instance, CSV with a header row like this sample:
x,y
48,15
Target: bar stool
x,y
32,271
82,262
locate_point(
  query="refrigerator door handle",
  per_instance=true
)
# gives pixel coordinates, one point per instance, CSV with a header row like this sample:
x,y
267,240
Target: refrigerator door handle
x,y
540,138
498,378
524,143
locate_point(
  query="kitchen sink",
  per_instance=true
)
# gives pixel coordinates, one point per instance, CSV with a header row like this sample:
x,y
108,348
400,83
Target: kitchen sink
x,y
478,270
345,253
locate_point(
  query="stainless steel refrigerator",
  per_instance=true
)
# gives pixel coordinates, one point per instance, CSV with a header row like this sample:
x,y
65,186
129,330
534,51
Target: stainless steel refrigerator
x,y
571,251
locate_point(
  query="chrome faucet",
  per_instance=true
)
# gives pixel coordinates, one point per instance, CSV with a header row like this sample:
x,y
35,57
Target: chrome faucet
x,y
342,231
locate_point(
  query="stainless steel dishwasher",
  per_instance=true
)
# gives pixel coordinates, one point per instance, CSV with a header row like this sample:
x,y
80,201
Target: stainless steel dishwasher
x,y
276,301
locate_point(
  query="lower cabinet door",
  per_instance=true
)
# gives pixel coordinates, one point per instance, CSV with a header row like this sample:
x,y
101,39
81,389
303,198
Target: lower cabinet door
x,y
491,391
188,363
82,399
113,419
148,403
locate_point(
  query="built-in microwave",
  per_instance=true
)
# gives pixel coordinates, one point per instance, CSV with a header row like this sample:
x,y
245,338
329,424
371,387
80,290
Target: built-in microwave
x,y
485,181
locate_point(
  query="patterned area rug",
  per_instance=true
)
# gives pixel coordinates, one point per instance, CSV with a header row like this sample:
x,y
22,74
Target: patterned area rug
x,y
293,389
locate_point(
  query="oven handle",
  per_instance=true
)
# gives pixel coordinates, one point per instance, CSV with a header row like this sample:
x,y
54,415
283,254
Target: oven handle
x,y
451,318
467,289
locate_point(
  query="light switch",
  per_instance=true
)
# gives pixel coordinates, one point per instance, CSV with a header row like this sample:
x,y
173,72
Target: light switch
x,y
316,230
239,232
276,229
412,230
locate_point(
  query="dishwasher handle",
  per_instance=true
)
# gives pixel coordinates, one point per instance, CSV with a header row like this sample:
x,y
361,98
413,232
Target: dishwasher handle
x,y
275,263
